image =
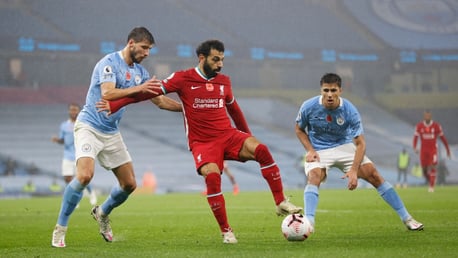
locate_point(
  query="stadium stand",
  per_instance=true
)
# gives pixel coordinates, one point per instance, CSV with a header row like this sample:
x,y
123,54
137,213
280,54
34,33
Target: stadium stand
x,y
18,22
186,21
410,24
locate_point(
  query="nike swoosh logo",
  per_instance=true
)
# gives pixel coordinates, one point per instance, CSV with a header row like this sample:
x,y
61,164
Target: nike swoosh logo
x,y
195,87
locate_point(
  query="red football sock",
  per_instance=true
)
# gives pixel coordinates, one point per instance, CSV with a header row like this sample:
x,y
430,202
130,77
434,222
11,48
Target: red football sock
x,y
216,200
270,172
432,177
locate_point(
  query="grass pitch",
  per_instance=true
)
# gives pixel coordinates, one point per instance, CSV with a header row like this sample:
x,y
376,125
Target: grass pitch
x,y
348,224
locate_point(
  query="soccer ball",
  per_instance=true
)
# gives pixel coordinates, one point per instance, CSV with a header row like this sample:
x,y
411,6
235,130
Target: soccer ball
x,y
296,227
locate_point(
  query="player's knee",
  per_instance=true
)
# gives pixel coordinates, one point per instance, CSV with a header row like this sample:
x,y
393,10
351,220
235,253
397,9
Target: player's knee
x,y
315,176
261,148
374,178
129,186
84,178
262,154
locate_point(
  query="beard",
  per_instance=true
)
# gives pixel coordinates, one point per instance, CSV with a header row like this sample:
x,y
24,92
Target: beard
x,y
209,71
133,55
134,59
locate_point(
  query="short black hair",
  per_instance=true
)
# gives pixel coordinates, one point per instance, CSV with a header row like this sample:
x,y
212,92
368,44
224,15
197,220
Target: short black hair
x,y
74,104
331,78
205,47
139,34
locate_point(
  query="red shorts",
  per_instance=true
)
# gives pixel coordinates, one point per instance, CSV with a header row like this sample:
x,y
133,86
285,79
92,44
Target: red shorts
x,y
428,158
219,149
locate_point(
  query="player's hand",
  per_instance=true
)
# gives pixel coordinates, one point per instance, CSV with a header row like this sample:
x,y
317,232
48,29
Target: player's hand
x,y
152,86
312,156
56,139
352,176
103,105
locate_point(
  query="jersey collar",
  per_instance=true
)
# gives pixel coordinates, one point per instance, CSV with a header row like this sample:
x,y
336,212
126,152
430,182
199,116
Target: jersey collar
x,y
340,101
201,74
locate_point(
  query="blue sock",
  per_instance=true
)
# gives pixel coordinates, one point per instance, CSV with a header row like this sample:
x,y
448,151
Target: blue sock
x,y
72,195
89,188
116,198
390,196
310,202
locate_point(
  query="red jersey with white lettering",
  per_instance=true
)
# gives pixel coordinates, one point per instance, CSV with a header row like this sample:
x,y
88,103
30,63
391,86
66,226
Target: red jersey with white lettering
x,y
428,135
204,103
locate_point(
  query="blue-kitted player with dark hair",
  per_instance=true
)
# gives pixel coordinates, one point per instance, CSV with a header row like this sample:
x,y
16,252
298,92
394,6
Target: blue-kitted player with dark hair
x,y
330,129
97,135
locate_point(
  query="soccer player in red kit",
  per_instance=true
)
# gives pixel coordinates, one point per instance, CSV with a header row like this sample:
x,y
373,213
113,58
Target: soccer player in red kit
x,y
207,99
428,131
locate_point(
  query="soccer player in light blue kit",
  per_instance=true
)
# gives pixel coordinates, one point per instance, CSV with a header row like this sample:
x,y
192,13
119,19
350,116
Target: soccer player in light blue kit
x,y
67,140
97,136
330,129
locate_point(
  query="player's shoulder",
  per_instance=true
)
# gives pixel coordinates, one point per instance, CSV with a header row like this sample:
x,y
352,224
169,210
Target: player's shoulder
x,y
436,123
312,101
178,74
347,102
108,62
111,57
186,73
222,77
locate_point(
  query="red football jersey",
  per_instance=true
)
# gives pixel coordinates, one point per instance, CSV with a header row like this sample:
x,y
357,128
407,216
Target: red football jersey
x,y
204,103
428,135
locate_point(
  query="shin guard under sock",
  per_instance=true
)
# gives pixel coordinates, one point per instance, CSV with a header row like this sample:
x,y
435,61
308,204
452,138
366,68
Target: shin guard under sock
x,y
270,172
72,196
216,200
390,196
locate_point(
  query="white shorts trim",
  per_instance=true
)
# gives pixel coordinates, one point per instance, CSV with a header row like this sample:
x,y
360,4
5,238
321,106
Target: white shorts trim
x,y
68,167
108,149
340,157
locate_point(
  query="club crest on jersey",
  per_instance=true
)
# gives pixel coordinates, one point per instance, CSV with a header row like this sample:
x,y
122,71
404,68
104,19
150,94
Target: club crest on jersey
x,y
221,90
138,79
340,121
209,86
86,147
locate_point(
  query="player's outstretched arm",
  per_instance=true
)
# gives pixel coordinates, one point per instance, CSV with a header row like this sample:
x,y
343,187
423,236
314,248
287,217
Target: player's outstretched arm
x,y
164,102
149,87
414,143
447,148
114,105
57,140
237,116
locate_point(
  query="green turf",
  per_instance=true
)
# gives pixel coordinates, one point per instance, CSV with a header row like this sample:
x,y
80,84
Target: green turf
x,y
348,224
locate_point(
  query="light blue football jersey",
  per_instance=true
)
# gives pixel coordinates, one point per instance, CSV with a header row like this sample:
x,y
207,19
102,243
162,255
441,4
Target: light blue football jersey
x,y
111,68
66,133
329,128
